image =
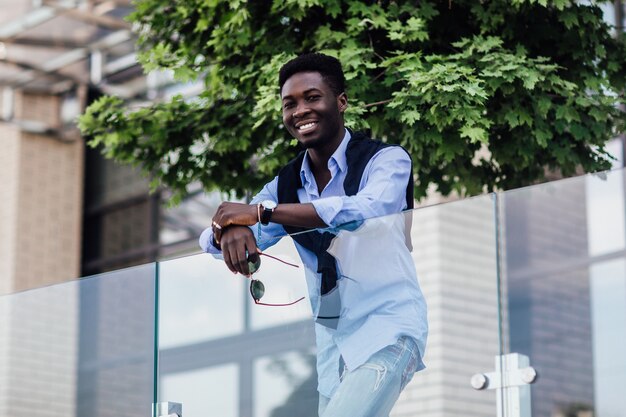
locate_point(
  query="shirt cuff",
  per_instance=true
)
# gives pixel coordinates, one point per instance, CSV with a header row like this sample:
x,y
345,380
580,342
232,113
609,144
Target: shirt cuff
x,y
206,241
328,208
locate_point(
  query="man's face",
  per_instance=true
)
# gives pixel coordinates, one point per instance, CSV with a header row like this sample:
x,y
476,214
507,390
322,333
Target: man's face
x,y
312,113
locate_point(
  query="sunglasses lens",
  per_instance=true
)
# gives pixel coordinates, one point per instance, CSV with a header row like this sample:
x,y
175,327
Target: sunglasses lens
x,y
254,266
254,263
257,289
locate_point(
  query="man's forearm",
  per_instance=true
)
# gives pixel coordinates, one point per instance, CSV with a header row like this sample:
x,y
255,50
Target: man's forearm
x,y
238,214
297,214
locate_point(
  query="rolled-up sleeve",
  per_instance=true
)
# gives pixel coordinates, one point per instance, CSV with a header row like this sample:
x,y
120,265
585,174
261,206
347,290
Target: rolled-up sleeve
x,y
206,241
328,208
382,192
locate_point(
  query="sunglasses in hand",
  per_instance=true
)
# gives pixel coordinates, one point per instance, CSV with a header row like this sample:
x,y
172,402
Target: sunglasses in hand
x,y
257,289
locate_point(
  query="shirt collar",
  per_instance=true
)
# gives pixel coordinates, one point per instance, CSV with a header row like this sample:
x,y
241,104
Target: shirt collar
x,y
338,158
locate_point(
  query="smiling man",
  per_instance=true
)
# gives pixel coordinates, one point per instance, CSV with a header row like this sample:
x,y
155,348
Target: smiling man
x,y
365,358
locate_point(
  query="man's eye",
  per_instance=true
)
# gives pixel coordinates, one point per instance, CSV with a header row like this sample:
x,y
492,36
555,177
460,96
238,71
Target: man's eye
x,y
287,105
313,98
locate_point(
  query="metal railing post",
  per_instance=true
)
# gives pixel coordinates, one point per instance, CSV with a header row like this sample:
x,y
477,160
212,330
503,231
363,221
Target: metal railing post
x,y
511,380
167,409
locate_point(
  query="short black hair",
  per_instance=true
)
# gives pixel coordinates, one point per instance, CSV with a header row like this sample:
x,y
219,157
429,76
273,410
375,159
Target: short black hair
x,y
329,67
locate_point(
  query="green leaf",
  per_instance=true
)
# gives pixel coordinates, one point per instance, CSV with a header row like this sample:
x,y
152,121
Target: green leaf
x,y
568,113
475,134
569,18
531,78
544,104
543,136
410,117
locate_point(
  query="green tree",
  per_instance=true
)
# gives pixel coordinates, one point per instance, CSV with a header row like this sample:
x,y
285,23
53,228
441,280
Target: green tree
x,y
483,94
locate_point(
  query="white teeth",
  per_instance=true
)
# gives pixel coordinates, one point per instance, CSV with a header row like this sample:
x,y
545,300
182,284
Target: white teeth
x,y
306,126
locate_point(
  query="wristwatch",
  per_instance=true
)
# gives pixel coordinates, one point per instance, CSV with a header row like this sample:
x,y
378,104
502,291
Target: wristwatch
x,y
268,208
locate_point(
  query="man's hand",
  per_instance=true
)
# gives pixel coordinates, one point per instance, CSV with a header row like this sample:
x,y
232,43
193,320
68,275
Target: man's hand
x,y
229,214
235,241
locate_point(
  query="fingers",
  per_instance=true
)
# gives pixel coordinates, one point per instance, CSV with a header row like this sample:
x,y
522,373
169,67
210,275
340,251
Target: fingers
x,y
229,259
218,224
238,244
237,260
217,232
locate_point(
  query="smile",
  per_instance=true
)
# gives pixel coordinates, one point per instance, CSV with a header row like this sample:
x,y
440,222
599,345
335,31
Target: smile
x,y
306,127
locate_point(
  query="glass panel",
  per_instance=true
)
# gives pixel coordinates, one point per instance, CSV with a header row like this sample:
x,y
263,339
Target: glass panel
x,y
200,300
283,284
454,252
566,291
212,391
208,319
605,213
82,348
285,385
608,312
208,338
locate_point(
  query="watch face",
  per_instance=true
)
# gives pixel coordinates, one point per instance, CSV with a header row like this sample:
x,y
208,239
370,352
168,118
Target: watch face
x,y
269,204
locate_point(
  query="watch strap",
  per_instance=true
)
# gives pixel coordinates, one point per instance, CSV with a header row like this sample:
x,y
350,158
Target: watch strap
x,y
266,215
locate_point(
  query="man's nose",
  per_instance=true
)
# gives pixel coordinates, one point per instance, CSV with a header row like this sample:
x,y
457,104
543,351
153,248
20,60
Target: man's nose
x,y
301,110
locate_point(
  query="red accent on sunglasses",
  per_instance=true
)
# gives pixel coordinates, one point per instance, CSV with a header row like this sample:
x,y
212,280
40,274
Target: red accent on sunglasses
x,y
279,260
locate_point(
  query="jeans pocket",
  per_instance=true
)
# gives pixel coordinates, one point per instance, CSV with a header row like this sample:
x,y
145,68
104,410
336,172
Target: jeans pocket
x,y
411,366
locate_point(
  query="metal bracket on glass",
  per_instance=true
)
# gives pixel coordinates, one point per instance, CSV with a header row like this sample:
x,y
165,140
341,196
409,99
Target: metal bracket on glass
x,y
511,381
168,409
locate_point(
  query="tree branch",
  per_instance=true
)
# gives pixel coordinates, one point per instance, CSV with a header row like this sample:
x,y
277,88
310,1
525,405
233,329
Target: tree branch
x,y
377,103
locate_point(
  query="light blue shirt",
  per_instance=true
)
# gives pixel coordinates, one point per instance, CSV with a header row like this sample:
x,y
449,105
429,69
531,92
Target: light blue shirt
x,y
380,301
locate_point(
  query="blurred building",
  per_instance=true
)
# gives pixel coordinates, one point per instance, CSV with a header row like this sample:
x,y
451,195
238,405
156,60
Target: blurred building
x,y
66,211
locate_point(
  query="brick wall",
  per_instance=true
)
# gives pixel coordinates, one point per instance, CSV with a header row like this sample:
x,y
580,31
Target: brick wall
x,y
39,107
41,186
49,211
9,163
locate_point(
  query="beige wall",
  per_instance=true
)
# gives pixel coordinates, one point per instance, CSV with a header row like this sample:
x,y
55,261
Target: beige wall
x,y
41,187
50,211
40,107
9,163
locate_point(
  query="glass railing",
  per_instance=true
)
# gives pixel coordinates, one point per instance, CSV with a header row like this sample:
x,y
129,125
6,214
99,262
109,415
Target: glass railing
x,y
565,275
81,348
539,272
222,354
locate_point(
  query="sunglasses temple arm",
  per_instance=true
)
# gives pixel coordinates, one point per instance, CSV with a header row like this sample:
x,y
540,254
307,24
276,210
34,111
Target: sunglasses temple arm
x,y
278,305
279,260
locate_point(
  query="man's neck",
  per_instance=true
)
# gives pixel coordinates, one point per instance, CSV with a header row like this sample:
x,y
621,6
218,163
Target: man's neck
x,y
319,156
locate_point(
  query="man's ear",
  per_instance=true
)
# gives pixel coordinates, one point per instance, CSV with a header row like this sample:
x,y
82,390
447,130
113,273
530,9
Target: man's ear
x,y
342,102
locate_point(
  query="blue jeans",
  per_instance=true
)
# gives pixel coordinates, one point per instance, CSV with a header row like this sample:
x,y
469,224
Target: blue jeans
x,y
372,389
